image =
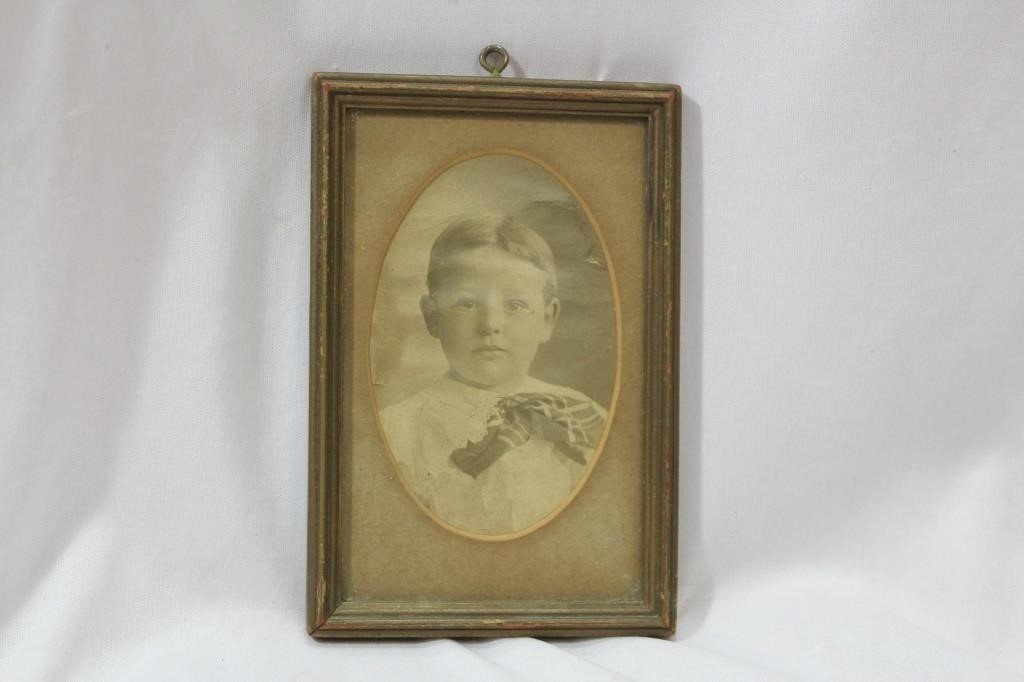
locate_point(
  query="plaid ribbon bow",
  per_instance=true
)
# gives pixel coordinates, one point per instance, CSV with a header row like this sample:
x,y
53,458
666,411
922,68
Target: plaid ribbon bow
x,y
573,426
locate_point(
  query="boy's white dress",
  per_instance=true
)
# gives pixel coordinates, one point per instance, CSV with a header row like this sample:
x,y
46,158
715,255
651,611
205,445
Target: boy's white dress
x,y
523,486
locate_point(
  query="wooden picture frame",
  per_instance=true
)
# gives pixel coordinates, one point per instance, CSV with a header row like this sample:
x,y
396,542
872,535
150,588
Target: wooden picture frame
x,y
386,556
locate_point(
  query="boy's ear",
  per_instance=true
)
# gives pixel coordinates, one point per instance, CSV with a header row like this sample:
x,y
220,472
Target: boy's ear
x,y
551,311
429,314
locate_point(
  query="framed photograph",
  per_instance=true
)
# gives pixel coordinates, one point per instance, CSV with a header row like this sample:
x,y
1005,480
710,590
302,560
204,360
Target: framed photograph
x,y
494,357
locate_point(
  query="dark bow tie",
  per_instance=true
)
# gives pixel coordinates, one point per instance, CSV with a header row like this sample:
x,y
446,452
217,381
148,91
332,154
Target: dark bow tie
x,y
573,426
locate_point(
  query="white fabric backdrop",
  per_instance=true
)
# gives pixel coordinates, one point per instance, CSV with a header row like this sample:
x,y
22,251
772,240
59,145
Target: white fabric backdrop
x,y
853,421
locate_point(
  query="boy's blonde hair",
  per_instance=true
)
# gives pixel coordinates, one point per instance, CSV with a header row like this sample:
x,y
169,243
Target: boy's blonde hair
x,y
502,232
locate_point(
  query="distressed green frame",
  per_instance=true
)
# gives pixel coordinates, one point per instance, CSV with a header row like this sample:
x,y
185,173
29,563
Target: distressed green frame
x,y
658,108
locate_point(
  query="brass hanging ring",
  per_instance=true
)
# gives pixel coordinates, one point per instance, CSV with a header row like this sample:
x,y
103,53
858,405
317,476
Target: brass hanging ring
x,y
491,65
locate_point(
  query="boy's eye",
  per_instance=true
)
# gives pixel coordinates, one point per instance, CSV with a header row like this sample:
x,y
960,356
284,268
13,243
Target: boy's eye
x,y
465,303
517,306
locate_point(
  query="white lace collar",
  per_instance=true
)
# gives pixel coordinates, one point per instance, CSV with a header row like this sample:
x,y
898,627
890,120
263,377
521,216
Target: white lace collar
x,y
456,394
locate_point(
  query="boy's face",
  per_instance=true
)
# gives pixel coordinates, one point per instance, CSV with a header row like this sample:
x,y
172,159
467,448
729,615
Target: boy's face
x,y
490,316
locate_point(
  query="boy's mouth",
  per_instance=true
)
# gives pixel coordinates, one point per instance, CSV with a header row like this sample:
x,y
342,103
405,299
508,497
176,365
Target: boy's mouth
x,y
490,350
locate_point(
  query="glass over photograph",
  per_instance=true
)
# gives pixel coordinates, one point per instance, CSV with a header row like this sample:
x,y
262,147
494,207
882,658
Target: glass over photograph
x,y
495,342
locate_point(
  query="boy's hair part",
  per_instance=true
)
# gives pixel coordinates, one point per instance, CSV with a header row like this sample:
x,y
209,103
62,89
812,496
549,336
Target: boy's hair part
x,y
502,232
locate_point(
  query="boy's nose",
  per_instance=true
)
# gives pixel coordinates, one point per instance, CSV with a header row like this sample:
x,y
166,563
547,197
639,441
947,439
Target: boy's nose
x,y
490,319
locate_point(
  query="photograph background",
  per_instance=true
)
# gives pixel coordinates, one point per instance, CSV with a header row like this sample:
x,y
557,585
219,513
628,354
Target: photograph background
x,y
581,352
852,382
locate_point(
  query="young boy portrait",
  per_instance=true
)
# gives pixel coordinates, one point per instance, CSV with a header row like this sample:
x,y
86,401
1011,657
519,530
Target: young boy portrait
x,y
486,447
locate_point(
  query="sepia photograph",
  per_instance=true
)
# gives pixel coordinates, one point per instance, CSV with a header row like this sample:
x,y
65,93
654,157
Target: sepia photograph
x,y
494,345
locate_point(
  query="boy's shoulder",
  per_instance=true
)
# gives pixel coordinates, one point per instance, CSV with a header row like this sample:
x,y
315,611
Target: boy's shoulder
x,y
440,396
410,403
441,391
532,385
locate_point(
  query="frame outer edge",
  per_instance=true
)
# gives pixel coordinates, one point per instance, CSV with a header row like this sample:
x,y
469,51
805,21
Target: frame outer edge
x,y
315,543
321,619
674,180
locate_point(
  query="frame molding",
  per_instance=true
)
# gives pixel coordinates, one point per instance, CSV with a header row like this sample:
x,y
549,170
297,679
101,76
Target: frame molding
x,y
658,107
